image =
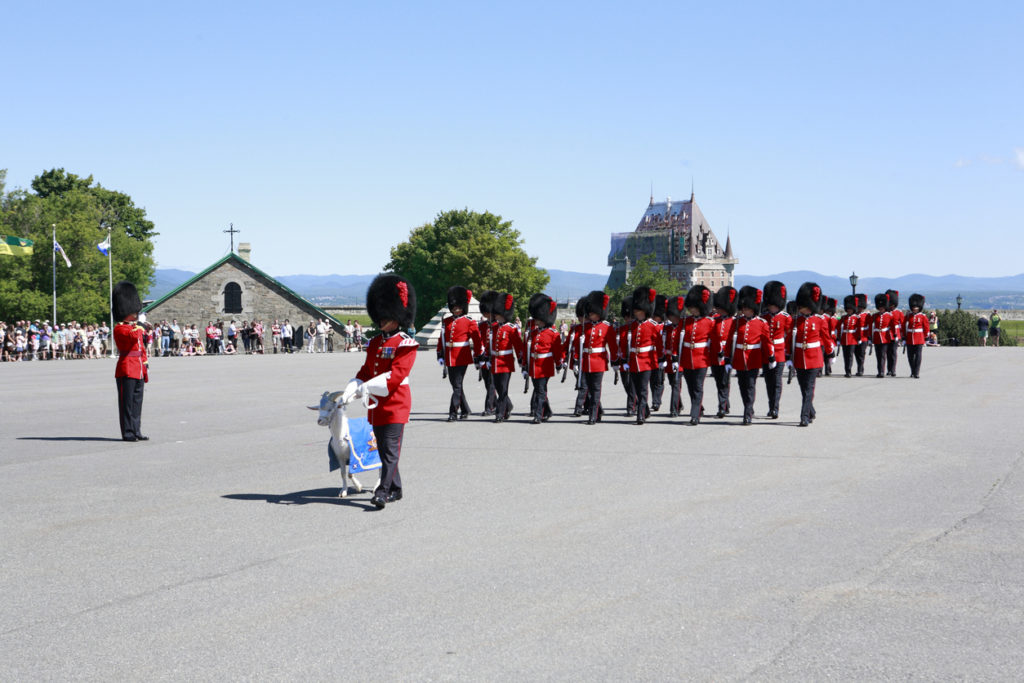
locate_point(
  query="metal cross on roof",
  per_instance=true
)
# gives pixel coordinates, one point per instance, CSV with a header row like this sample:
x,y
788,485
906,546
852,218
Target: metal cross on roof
x,y
232,231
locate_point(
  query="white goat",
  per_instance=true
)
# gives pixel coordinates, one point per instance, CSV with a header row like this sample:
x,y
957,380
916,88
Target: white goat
x,y
332,415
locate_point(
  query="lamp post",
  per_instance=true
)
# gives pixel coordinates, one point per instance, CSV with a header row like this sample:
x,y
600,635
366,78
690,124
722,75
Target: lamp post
x,y
853,282
959,300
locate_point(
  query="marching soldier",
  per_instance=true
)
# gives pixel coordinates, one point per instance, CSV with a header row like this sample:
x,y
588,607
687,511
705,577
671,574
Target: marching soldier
x,y
721,334
506,346
675,312
750,348
828,314
132,370
391,303
896,329
695,347
881,332
625,340
573,351
915,332
658,373
598,351
865,332
849,333
486,326
810,342
644,350
780,322
544,355
457,348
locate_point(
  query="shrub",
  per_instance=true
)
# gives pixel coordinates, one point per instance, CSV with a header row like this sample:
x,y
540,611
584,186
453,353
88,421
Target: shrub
x,y
958,328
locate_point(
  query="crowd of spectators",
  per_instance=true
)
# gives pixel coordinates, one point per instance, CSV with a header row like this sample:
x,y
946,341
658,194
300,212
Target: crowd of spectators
x,y
26,340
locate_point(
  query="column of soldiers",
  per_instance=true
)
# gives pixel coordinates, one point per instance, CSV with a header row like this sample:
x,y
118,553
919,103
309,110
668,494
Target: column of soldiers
x,y
674,340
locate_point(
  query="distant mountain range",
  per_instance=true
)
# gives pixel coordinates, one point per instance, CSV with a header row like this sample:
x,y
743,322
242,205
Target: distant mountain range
x,y
939,291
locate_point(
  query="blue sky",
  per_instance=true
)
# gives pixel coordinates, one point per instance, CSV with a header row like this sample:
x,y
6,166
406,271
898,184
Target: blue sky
x,y
882,137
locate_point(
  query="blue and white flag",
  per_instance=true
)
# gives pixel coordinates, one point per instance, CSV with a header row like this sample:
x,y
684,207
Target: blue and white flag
x,y
104,246
60,250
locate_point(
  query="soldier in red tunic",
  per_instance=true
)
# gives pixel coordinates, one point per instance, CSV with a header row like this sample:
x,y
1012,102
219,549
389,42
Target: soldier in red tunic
x,y
750,348
865,332
506,346
672,334
544,355
573,352
458,347
391,304
624,339
896,330
810,342
721,334
132,370
780,323
881,332
828,314
598,351
658,373
644,351
915,332
486,326
849,333
695,347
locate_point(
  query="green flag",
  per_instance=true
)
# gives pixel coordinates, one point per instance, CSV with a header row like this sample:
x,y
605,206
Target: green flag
x,y
15,246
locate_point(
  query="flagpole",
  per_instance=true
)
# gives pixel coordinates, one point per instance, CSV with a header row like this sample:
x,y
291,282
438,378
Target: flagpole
x,y
54,255
110,283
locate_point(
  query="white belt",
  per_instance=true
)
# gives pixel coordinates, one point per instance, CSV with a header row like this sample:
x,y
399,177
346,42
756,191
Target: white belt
x,y
643,349
506,352
457,344
779,340
543,355
593,350
698,345
918,330
812,345
748,347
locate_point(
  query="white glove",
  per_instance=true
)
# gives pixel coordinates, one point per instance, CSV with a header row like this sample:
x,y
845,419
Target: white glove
x,y
675,367
789,365
142,317
440,361
353,389
772,364
376,386
625,367
831,360
728,368
661,365
526,375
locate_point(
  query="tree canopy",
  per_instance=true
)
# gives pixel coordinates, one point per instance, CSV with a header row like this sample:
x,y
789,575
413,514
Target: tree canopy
x,y
644,274
475,250
82,212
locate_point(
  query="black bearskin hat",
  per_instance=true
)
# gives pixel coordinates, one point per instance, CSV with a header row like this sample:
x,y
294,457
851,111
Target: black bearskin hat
x,y
862,301
775,294
830,305
643,300
581,308
126,300
626,309
791,308
505,306
391,297
676,306
543,309
749,297
660,301
489,302
894,297
917,301
882,301
809,296
596,302
699,297
459,296
725,298
850,302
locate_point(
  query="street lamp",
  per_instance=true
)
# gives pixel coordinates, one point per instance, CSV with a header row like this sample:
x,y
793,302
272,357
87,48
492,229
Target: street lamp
x,y
853,282
959,300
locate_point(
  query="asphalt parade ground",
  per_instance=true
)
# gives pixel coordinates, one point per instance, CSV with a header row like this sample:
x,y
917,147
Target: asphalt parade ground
x,y
885,541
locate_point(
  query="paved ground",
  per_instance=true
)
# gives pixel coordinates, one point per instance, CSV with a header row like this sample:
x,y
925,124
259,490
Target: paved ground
x,y
884,542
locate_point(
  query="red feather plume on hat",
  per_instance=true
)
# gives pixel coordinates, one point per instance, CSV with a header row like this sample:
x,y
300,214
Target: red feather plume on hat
x,y
604,302
757,300
705,295
403,293
732,295
554,305
782,291
469,296
816,294
508,302
651,295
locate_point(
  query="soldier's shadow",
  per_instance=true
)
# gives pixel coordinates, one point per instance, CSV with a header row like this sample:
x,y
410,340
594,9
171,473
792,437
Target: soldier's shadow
x,y
328,496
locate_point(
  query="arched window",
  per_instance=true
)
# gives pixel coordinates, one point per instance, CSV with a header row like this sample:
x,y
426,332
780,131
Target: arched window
x,y
232,298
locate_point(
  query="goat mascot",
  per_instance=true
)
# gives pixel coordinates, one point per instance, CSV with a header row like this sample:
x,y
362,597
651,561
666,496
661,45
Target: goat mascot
x,y
332,415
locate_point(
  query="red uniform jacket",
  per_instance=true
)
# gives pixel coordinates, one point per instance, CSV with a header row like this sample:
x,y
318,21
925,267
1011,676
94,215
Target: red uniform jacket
x,y
394,354
130,340
484,329
915,329
751,346
721,336
644,348
781,324
694,346
849,330
881,327
833,329
572,345
599,347
506,346
896,328
544,352
865,326
809,342
460,342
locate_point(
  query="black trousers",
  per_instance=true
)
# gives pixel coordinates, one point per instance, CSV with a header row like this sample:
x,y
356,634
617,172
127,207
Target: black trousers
x,y
881,356
582,394
627,385
129,406
456,376
806,378
695,387
539,406
641,381
502,404
722,384
860,352
848,353
389,447
491,397
890,357
914,352
592,382
674,396
657,387
773,385
746,382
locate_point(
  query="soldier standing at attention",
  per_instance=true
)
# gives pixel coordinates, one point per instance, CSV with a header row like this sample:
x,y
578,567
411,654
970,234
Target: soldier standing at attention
x,y
915,332
721,334
896,330
644,351
780,323
881,332
544,355
810,343
132,370
750,349
457,347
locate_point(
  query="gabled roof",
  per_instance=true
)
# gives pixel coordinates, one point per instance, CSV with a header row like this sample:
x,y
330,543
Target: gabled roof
x,y
258,274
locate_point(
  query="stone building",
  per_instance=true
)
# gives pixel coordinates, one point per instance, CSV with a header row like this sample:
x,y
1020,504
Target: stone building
x,y
682,242
234,289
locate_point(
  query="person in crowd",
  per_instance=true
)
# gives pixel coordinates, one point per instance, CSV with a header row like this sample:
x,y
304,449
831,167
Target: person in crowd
x,y
933,329
983,330
993,330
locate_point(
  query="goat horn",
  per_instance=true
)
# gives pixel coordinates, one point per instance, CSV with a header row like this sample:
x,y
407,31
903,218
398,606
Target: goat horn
x,y
333,396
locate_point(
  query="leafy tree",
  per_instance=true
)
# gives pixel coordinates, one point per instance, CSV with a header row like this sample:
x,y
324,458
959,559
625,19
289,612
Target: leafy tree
x,y
960,326
82,213
462,247
644,274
